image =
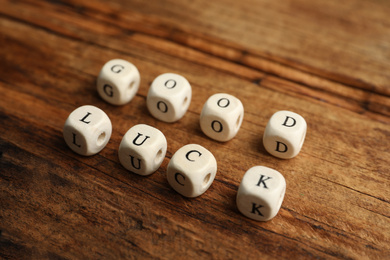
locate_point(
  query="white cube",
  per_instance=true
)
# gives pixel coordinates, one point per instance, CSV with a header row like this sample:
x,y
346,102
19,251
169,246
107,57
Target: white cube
x,y
169,97
191,170
118,82
221,117
284,134
261,192
142,149
87,130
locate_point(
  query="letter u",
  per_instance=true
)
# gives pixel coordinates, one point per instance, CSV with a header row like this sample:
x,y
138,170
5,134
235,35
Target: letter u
x,y
132,163
141,143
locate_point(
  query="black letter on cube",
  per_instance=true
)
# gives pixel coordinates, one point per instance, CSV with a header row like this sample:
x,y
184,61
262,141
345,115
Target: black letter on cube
x,y
142,149
261,192
191,170
87,130
118,82
221,117
284,134
169,97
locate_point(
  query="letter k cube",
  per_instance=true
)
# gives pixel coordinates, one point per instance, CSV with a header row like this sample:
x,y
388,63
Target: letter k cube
x,y
261,193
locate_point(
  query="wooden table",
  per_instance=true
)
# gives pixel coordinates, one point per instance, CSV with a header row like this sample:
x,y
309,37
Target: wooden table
x,y
326,60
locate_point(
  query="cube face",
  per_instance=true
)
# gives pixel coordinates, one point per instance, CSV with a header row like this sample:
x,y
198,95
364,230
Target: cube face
x,y
142,149
191,170
87,130
261,193
169,97
284,134
221,117
118,82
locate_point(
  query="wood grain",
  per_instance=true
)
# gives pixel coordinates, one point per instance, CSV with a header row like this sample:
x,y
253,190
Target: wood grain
x,y
326,60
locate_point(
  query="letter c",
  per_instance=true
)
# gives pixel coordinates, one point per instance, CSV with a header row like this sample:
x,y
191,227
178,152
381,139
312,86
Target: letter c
x,y
177,179
190,152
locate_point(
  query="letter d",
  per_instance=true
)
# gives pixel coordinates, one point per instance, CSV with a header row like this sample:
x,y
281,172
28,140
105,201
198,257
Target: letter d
x,y
287,121
281,147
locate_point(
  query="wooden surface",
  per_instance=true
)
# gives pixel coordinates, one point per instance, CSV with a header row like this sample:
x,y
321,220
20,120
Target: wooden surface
x,y
327,60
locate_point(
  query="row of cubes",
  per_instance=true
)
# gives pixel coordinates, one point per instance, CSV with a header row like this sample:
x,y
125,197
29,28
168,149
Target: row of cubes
x,y
190,171
169,97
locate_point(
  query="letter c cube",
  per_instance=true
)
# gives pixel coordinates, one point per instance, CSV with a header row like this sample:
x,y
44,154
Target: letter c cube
x,y
191,170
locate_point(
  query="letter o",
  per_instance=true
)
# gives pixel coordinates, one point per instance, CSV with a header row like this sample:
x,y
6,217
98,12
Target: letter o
x,y
162,106
220,127
222,99
173,84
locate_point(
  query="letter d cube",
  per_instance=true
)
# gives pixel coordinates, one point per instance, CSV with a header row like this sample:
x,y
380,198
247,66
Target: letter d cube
x,y
284,134
261,193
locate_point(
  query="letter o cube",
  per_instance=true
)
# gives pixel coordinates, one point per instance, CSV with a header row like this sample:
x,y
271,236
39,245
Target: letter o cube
x,y
191,170
261,192
142,149
284,134
87,130
221,117
169,97
118,82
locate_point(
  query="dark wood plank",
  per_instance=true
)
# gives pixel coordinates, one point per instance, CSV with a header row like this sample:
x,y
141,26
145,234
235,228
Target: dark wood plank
x,y
57,204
